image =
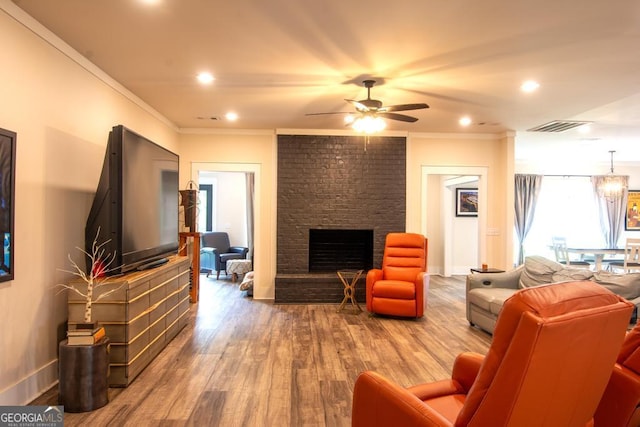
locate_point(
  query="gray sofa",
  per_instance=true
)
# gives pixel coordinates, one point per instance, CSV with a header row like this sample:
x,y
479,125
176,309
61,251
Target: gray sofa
x,y
486,292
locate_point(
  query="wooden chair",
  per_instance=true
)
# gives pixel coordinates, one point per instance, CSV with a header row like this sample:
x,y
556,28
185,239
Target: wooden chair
x,y
631,259
562,255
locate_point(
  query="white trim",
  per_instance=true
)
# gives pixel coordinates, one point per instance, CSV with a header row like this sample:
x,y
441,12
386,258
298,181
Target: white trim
x,y
458,136
31,386
337,132
219,131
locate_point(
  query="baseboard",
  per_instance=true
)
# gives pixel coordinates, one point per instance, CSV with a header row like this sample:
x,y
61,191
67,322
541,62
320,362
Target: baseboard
x,y
29,388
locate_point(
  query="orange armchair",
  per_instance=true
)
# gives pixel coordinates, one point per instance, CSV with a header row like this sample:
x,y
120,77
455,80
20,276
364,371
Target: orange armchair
x,y
400,287
549,362
620,404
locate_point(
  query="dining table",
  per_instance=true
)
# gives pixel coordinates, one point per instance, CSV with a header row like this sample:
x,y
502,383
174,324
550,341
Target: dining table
x,y
598,254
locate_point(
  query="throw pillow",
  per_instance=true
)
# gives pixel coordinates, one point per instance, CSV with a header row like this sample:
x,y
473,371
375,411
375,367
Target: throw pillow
x,y
247,282
625,285
538,271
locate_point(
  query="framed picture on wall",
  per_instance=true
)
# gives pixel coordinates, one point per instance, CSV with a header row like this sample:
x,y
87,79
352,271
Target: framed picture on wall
x,y
466,202
632,222
7,201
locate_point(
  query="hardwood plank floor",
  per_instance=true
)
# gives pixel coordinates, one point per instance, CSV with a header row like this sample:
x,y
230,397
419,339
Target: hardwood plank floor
x,y
242,362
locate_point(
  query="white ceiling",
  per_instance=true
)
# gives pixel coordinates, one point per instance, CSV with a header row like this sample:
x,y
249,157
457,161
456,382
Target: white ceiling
x,y
274,61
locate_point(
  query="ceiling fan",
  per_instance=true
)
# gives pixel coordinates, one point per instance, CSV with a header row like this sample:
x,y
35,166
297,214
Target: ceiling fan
x,y
374,108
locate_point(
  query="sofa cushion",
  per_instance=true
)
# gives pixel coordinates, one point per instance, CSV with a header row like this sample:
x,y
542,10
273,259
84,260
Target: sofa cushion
x,y
490,299
568,274
626,285
538,271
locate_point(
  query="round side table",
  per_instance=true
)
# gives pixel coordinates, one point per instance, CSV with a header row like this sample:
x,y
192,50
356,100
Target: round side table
x,y
83,376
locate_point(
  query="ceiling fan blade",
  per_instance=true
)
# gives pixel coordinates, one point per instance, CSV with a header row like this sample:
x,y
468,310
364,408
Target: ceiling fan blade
x,y
400,117
359,105
334,112
403,107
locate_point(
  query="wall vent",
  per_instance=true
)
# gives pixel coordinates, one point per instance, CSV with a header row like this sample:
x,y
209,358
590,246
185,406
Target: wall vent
x,y
558,126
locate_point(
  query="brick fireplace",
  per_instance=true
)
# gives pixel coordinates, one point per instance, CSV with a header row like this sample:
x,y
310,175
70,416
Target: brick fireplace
x,y
330,188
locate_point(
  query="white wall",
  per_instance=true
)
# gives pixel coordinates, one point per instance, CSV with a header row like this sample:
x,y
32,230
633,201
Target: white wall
x,y
62,114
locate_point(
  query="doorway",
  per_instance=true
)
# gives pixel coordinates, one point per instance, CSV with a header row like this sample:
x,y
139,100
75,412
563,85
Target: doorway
x,y
439,221
251,196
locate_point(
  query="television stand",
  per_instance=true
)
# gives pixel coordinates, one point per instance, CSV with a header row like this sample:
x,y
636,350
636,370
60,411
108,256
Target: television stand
x,y
141,316
152,264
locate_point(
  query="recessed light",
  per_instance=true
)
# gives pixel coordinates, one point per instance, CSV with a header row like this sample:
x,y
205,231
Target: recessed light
x,y
530,86
205,78
231,116
465,121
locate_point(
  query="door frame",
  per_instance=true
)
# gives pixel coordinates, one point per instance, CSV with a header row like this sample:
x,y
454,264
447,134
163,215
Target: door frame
x,y
481,172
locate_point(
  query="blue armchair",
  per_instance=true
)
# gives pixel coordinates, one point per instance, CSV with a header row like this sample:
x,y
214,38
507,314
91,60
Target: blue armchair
x,y
215,251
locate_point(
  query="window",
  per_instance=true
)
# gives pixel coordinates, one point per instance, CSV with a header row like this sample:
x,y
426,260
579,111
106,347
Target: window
x,y
206,206
566,207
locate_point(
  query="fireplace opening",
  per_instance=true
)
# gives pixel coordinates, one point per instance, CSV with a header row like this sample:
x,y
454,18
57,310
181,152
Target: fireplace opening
x,y
334,249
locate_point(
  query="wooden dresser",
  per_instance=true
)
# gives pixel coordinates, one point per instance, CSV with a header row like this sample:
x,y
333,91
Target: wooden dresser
x,y
141,317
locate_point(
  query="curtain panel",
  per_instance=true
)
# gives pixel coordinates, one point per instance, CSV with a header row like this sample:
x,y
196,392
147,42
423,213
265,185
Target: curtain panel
x,y
611,211
527,189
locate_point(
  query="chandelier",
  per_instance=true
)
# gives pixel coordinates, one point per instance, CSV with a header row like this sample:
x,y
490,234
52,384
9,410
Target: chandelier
x,y
612,186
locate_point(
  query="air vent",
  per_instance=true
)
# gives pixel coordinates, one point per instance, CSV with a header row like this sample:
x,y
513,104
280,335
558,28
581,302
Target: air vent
x,y
207,118
558,126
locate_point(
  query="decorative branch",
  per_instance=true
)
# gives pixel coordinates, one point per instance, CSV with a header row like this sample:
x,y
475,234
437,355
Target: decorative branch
x,y
101,264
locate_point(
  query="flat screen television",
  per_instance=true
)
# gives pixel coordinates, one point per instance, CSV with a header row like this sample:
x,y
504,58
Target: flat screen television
x,y
136,203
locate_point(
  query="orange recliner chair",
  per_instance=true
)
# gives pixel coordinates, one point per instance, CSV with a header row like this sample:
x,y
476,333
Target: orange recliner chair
x,y
552,353
400,287
620,403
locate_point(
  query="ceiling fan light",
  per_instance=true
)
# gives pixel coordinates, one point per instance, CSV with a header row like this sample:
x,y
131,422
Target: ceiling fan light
x,y
369,124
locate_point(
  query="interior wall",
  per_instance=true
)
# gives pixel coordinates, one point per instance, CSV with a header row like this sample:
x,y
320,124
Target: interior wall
x,y
464,239
62,109
484,152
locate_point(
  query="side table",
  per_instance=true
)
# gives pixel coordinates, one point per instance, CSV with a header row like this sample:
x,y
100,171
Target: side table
x,y
486,270
83,376
349,279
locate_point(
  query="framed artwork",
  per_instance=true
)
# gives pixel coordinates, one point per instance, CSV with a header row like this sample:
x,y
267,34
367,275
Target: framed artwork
x,y
7,201
466,202
632,222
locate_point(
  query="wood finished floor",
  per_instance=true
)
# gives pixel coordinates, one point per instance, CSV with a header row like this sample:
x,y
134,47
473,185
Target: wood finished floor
x,y
247,363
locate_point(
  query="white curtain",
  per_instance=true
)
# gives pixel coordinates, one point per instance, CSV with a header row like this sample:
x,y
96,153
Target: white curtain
x,y
527,189
250,180
611,211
